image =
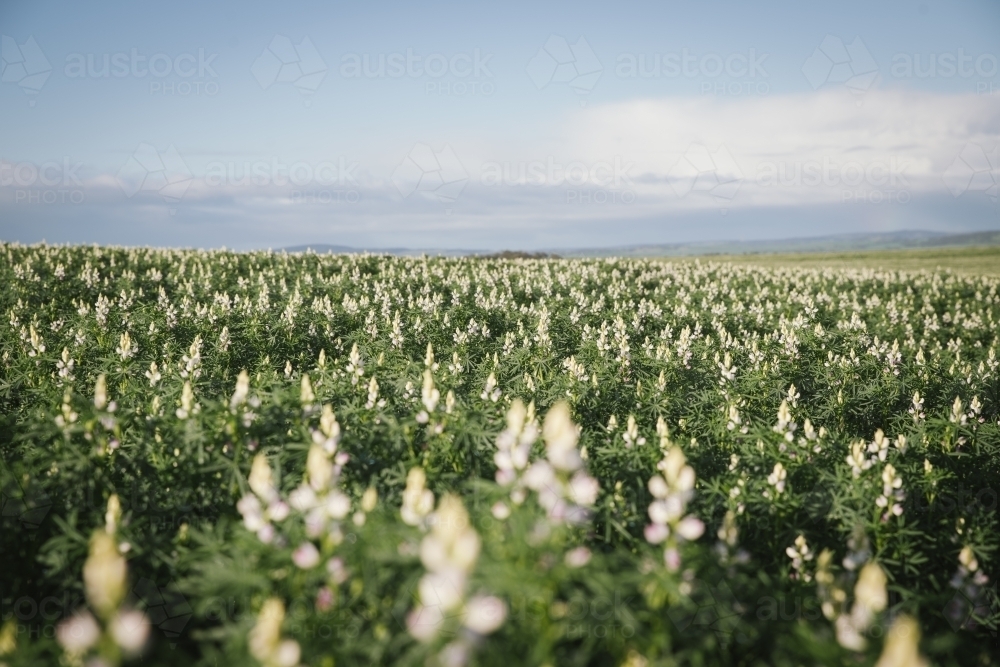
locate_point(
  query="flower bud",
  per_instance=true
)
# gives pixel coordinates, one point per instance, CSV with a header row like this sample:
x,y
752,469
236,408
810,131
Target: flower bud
x,y
369,499
104,574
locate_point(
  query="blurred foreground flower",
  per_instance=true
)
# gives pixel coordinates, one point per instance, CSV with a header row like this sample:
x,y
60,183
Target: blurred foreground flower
x,y
671,492
105,575
265,640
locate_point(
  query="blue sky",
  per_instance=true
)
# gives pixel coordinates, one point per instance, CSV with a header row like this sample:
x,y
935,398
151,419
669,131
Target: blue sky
x,y
511,125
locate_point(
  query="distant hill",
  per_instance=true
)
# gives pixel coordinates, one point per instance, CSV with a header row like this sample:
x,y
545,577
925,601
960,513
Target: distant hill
x,y
324,248
832,243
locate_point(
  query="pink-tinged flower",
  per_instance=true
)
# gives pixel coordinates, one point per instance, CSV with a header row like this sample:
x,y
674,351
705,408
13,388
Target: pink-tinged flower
x,y
278,511
266,534
672,558
442,589
130,630
583,489
656,533
338,505
658,487
78,633
500,511
690,528
484,614
659,512
578,557
324,599
539,476
505,476
306,556
287,654
337,571
455,654
423,622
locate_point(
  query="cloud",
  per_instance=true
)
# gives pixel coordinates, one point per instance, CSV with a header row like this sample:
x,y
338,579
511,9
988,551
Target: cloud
x,y
642,170
795,149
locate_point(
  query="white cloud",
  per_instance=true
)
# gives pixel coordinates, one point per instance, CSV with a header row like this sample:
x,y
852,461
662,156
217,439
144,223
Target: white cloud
x,y
794,149
622,172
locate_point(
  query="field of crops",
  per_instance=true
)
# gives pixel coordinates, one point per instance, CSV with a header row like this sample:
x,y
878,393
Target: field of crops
x,y
216,458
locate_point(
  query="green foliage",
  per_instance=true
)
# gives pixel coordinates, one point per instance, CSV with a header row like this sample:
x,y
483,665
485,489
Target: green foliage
x,y
898,371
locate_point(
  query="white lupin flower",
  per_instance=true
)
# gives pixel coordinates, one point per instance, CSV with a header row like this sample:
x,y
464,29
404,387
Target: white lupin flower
x,y
355,366
735,420
373,399
224,339
785,425
188,406
892,492
264,505
631,434
37,344
242,391
870,594
514,443
491,392
575,369
901,647
328,435
449,553
306,556
65,365
191,362
968,559
104,575
917,410
957,415
880,445
857,459
563,488
800,553
78,633
418,501
484,614
561,438
671,493
429,395
306,393
130,630
777,478
153,374
127,347
727,370
265,640
101,392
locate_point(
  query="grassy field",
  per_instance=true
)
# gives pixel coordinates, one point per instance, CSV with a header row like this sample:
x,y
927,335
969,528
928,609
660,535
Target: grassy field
x,y
966,260
213,458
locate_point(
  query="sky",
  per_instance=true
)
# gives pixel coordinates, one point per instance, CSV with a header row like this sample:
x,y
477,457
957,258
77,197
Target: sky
x,y
489,126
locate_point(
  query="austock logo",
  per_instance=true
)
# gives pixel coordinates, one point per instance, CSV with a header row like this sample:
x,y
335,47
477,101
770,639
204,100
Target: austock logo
x,y
558,61
974,170
438,175
430,608
833,62
166,608
712,607
28,506
53,182
284,62
23,64
149,170
713,172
